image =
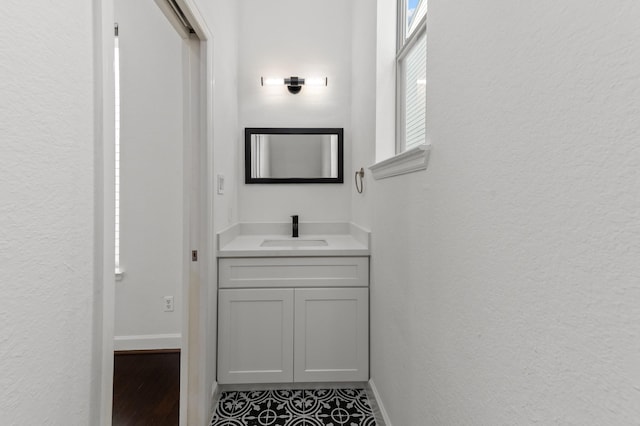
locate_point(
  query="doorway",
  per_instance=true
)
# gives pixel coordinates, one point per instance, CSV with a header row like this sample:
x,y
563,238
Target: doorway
x,y
151,176
165,203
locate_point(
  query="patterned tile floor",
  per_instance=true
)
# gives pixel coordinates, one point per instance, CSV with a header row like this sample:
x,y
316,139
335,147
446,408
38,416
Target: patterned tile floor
x,y
312,407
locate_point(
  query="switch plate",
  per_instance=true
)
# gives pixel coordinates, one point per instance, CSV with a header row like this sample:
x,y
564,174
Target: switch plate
x,y
168,303
220,184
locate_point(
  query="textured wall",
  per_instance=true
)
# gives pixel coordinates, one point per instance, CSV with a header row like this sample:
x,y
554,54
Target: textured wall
x,y
222,19
363,107
313,41
46,211
506,276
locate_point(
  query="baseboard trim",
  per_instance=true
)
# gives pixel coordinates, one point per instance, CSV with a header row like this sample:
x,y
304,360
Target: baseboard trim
x,y
147,352
216,393
147,342
379,409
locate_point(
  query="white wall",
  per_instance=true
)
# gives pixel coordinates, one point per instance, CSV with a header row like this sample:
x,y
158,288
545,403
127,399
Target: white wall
x,y
151,178
506,276
221,16
283,38
46,213
363,106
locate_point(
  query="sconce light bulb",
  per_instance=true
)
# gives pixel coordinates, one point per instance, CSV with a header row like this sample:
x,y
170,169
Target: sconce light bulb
x,y
270,81
316,81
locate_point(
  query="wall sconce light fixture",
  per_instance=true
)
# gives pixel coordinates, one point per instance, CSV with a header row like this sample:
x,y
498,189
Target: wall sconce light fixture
x,y
294,84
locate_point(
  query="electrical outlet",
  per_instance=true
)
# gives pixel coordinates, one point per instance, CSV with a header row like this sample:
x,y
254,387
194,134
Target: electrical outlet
x,y
168,303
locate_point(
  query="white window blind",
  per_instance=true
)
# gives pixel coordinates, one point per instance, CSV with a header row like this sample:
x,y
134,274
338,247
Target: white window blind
x,y
415,80
116,68
412,74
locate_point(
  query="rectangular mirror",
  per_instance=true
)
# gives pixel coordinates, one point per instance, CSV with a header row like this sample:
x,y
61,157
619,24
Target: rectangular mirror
x,y
293,155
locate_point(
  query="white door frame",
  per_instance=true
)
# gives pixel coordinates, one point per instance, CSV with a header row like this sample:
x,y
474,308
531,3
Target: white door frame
x,y
194,398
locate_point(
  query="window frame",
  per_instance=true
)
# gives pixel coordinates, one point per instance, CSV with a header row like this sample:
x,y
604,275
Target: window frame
x,y
404,45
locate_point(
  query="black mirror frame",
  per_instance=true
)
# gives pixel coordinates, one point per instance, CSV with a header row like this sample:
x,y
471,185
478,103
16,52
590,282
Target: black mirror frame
x,y
248,131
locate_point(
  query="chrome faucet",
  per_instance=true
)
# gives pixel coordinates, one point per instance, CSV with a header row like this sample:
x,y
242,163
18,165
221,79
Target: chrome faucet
x,y
294,226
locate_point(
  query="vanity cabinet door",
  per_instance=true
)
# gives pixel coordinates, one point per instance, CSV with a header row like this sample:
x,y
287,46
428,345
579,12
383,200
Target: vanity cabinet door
x,y
255,336
331,335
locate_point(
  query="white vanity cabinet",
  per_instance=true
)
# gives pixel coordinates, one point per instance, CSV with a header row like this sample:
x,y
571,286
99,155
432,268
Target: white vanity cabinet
x,y
293,319
255,335
331,335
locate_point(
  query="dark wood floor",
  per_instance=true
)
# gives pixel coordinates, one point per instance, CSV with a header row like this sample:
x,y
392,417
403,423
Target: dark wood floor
x,y
146,388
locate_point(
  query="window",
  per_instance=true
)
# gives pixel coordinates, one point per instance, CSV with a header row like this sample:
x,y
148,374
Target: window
x,y
404,106
116,69
411,72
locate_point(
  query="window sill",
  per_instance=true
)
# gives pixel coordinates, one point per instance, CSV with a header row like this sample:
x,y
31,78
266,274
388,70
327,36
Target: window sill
x,y
407,162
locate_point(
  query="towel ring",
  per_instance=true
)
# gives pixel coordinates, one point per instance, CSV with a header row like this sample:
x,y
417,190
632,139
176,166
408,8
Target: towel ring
x,y
359,173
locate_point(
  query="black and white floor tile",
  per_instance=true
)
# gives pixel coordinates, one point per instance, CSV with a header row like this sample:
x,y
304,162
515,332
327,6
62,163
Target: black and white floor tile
x,y
308,407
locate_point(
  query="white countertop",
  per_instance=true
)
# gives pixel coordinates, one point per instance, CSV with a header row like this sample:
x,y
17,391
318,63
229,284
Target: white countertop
x,y
245,239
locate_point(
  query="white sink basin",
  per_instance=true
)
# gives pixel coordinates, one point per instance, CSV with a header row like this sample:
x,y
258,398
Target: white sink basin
x,y
293,243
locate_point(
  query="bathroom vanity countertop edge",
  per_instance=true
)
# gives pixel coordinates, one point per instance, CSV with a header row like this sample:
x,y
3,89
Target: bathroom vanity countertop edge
x,y
250,246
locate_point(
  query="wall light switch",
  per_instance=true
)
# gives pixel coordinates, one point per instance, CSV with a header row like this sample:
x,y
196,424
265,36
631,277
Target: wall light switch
x,y
220,184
